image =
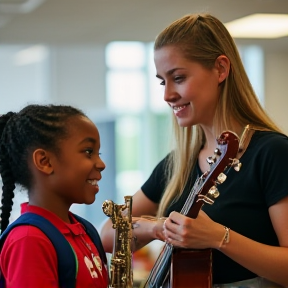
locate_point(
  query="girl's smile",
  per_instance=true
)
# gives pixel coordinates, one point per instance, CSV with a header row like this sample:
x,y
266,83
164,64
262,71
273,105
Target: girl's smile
x,y
94,184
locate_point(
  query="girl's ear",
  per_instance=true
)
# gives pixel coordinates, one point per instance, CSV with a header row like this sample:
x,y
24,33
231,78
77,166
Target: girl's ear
x,y
41,160
222,64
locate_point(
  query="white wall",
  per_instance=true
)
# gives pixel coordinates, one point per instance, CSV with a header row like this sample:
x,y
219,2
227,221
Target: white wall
x,y
276,87
23,78
78,75
73,75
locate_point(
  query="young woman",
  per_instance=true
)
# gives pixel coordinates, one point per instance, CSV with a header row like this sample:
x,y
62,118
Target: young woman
x,y
206,86
53,152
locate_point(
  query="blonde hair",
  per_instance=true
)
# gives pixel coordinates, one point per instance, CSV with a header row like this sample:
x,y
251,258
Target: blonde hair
x,y
203,38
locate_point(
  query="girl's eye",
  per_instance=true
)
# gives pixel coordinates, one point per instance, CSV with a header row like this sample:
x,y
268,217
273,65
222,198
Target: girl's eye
x,y
162,83
89,151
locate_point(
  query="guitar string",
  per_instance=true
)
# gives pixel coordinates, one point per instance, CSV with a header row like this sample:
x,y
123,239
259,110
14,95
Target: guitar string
x,y
168,248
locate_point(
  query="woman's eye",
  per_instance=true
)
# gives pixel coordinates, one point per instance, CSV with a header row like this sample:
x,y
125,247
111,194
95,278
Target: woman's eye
x,y
178,79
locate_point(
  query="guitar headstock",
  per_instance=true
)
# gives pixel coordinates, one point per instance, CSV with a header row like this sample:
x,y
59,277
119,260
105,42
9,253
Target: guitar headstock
x,y
224,158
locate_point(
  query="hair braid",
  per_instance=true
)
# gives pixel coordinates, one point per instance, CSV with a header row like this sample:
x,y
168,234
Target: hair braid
x,y
6,175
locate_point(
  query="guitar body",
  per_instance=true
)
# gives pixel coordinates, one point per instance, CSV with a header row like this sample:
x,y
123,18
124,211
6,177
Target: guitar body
x,y
191,268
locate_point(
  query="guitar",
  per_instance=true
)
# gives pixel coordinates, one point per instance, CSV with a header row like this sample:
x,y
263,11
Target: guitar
x,y
191,268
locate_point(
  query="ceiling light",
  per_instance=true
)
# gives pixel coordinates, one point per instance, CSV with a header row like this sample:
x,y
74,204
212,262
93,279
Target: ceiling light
x,y
20,7
259,26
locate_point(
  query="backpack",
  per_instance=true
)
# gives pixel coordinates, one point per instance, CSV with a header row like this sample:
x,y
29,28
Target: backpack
x,y
67,260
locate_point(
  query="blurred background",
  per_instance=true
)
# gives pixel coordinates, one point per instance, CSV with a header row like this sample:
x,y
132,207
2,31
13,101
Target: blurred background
x,y
97,55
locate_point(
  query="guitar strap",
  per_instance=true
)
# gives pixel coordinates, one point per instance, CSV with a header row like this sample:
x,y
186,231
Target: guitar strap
x,y
246,138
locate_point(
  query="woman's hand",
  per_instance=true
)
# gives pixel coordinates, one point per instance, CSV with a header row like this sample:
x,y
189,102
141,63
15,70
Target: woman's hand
x,y
147,229
199,233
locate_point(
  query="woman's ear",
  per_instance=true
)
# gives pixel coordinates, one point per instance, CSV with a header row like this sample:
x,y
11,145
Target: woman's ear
x,y
41,160
222,64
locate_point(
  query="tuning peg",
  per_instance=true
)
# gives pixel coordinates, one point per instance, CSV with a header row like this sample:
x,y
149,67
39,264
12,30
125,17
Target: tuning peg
x,y
221,178
211,160
236,164
212,194
217,152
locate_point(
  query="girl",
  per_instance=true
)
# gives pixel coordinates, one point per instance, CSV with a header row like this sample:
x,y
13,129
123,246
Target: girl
x,y
207,88
53,152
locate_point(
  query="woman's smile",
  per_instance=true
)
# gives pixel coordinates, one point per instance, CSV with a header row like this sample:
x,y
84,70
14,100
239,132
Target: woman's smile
x,y
180,110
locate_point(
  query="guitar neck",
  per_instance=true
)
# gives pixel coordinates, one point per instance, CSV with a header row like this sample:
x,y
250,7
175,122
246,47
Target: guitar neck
x,y
160,268
192,210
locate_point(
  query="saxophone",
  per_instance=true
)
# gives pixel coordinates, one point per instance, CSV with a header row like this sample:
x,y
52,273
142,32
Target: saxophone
x,y
121,273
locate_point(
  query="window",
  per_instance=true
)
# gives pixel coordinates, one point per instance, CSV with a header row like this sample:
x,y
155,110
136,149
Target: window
x,y
135,96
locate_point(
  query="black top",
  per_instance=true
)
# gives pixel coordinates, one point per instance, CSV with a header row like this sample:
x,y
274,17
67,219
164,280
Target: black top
x,y
244,198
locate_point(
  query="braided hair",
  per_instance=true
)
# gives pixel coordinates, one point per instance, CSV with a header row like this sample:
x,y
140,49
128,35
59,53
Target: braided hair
x,y
35,126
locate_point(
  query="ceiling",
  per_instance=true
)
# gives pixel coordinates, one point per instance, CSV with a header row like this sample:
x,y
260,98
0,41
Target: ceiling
x,y
70,22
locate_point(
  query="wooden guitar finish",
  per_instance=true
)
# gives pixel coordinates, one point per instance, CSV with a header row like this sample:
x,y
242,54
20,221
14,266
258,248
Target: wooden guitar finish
x,y
190,268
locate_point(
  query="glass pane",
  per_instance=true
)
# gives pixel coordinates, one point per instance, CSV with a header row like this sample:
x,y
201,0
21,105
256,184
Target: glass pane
x,y
129,177
125,91
125,55
156,91
127,143
253,60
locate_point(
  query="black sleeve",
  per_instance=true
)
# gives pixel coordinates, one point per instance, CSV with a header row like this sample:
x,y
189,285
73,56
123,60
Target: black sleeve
x,y
154,187
273,170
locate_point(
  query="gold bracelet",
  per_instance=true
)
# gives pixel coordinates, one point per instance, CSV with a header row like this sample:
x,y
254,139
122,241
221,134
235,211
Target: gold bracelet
x,y
226,238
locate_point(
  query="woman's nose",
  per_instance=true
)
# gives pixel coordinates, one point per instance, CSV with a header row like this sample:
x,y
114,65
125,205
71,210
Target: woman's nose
x,y
170,95
166,94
